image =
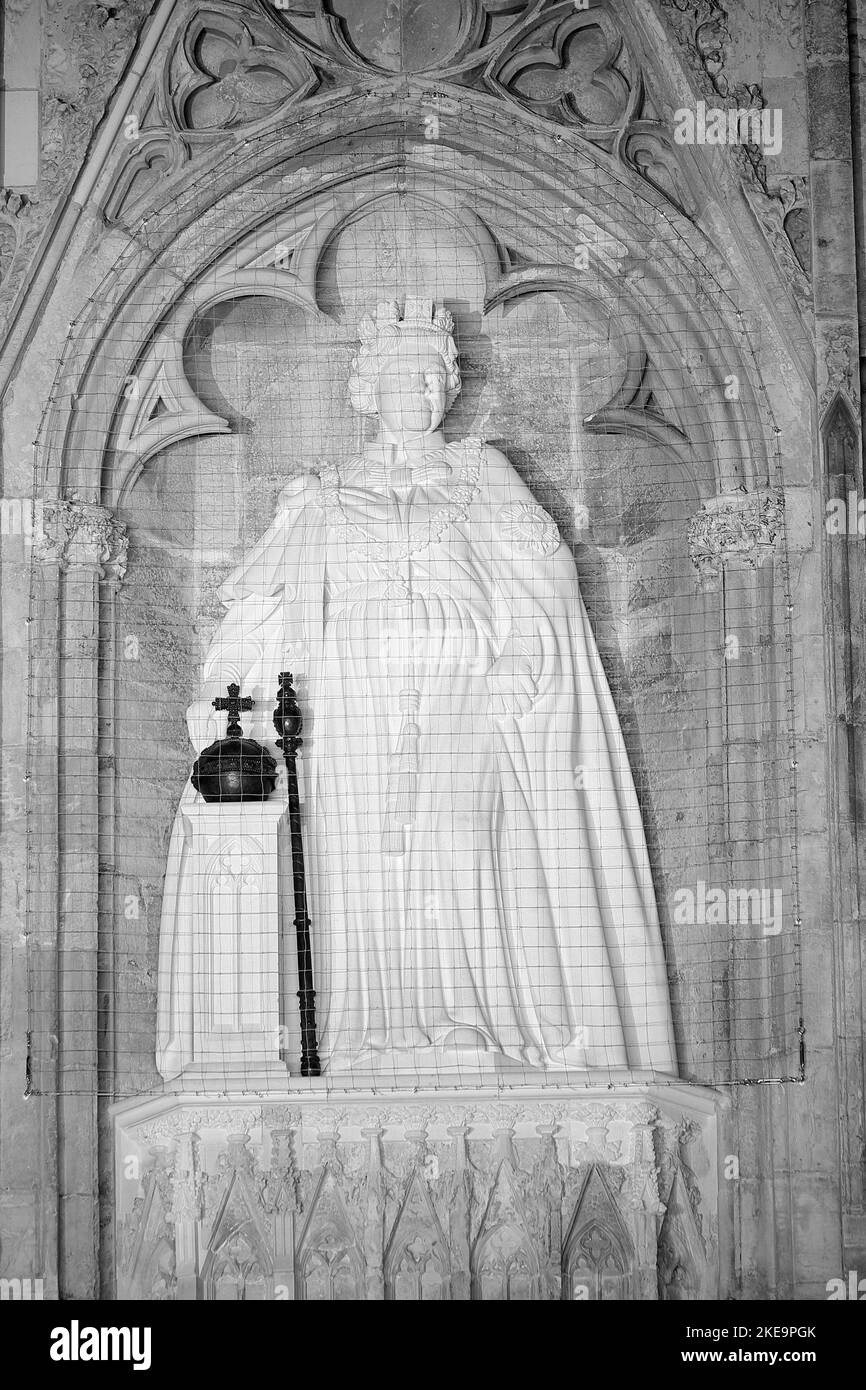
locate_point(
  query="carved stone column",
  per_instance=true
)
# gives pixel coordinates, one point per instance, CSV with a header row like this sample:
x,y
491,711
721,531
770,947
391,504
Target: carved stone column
x,y
186,1216
840,1028
733,543
78,546
282,1201
460,1214
374,1215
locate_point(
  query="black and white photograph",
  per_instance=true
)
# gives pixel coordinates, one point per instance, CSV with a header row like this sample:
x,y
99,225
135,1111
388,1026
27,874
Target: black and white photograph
x,y
432,670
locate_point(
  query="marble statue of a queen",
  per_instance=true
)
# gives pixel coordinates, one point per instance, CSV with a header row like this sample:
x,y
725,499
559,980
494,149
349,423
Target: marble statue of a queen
x,y
479,884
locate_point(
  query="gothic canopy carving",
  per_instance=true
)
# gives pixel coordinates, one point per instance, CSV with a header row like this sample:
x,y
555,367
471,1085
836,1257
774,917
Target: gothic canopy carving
x,y
258,96
235,68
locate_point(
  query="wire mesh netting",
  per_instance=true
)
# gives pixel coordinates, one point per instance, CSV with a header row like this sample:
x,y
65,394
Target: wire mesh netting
x,y
545,780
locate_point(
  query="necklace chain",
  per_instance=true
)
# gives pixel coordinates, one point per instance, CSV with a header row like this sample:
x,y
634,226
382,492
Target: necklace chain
x,y
390,554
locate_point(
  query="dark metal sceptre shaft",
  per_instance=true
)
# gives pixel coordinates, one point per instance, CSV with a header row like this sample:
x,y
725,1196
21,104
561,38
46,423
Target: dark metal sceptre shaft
x,y
288,723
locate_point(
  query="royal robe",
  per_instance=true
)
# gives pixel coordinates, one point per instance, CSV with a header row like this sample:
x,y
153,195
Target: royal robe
x,y
478,877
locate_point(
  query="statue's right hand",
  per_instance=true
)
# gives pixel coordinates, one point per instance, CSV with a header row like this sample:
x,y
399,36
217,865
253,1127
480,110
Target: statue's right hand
x,y
511,686
202,724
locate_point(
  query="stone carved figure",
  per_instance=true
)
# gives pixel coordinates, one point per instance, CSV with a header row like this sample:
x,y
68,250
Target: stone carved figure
x,y
478,876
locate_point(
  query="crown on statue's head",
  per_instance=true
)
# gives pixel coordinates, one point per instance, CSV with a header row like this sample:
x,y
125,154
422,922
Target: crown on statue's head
x,y
385,331
419,316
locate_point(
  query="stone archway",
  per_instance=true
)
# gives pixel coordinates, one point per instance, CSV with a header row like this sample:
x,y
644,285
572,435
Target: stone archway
x,y
258,221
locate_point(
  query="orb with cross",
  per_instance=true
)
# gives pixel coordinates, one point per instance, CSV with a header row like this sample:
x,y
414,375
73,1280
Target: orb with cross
x,y
234,768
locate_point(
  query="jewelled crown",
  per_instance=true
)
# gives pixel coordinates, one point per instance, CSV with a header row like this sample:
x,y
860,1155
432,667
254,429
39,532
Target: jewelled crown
x,y
386,331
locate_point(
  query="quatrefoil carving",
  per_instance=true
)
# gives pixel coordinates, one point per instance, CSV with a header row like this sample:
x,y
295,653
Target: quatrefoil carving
x,y
575,73
235,78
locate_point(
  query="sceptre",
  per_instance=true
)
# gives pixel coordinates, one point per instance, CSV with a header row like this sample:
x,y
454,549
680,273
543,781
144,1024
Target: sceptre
x,y
288,722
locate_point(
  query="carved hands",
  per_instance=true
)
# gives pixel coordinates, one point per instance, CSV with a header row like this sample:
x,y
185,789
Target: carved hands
x,y
510,681
298,491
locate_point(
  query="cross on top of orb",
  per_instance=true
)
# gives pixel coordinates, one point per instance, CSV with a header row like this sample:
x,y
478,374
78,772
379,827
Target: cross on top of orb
x,y
234,704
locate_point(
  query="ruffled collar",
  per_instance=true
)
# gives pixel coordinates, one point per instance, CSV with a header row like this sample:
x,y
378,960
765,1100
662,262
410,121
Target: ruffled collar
x,y
416,460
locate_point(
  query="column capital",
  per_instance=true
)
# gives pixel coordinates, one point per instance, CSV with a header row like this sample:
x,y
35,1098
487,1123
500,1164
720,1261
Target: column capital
x,y
735,530
81,535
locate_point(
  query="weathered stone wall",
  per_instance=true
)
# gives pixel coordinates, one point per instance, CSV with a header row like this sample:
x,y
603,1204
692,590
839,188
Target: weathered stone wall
x,y
84,50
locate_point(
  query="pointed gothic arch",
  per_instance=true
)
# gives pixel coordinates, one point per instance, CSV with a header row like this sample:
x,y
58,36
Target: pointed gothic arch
x,y
238,1264
329,1264
200,229
682,1264
147,1257
505,1266
417,1265
598,1261
147,303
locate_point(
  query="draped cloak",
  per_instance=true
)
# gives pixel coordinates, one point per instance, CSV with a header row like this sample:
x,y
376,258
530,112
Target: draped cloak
x,y
477,883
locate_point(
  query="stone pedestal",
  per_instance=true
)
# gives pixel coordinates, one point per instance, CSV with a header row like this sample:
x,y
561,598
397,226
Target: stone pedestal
x,y
534,1193
234,857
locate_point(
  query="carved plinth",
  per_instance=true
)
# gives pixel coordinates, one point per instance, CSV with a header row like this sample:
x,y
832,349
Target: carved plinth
x,y
233,853
543,1194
